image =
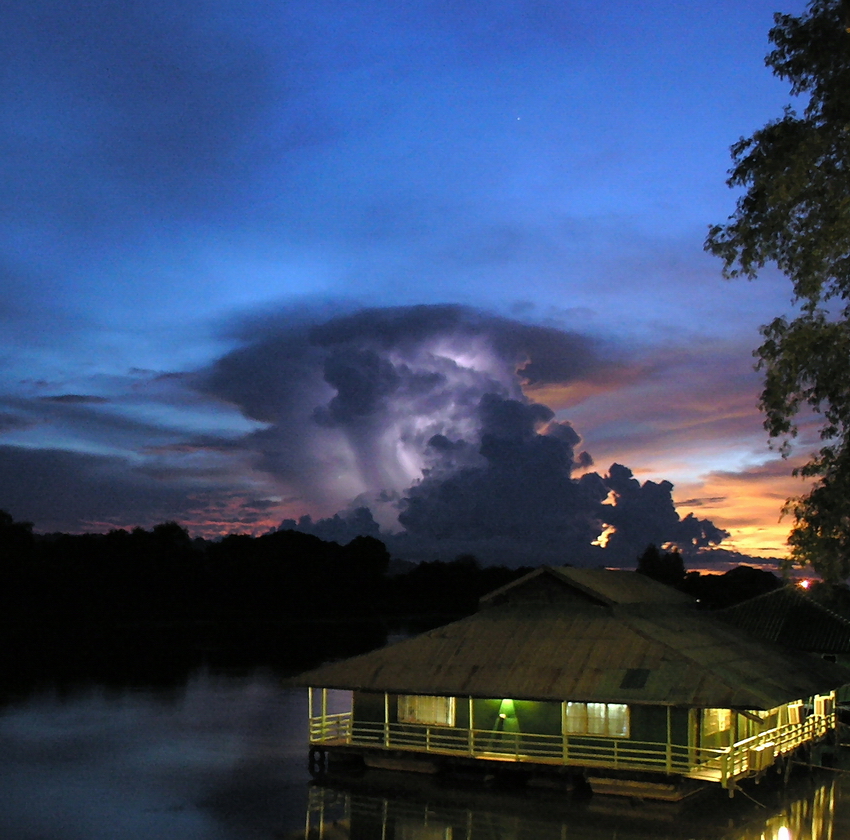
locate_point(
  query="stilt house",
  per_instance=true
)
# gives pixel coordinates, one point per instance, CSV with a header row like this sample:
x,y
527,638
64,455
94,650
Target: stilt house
x,y
602,674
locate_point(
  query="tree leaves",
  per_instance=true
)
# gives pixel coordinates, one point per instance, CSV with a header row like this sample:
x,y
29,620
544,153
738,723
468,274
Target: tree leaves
x,y
795,212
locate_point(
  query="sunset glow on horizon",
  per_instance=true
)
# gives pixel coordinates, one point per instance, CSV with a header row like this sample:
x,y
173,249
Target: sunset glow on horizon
x,y
441,261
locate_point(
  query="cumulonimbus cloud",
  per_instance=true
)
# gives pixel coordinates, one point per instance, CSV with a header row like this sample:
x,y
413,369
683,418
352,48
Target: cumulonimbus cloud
x,y
419,413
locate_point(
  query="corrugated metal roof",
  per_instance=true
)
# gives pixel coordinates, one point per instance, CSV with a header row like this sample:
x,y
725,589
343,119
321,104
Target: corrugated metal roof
x,y
618,586
792,618
570,652
604,586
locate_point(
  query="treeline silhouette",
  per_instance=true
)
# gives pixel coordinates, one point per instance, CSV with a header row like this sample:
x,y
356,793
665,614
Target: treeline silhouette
x,y
163,575
712,591
147,602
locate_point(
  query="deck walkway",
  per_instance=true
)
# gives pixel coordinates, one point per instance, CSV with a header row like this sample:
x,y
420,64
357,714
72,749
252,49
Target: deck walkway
x,y
725,766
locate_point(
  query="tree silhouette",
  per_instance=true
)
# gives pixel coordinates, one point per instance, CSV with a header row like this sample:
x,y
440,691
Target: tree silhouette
x,y
667,567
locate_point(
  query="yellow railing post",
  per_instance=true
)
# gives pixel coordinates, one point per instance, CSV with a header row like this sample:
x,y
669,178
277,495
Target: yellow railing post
x,y
386,719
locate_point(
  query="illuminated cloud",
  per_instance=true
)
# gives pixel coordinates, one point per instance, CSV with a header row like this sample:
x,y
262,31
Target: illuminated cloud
x,y
683,409
749,503
419,413
174,164
427,417
351,403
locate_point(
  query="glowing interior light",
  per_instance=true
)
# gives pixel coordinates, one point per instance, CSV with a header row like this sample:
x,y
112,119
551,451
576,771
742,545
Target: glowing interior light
x,y
805,584
782,833
506,709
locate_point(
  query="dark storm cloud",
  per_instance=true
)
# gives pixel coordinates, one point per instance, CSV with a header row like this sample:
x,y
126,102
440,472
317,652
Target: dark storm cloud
x,y
523,494
645,513
353,400
362,379
69,491
523,489
420,411
340,528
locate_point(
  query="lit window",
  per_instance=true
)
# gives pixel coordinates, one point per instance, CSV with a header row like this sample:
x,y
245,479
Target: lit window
x,y
426,708
610,720
716,720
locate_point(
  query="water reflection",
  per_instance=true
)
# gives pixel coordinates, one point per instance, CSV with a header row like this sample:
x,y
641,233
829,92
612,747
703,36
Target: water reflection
x,y
803,812
224,757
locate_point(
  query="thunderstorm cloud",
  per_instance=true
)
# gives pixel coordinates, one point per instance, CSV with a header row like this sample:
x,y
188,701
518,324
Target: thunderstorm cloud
x,y
412,423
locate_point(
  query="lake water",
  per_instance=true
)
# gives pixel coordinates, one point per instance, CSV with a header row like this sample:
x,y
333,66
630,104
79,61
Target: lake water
x,y
223,756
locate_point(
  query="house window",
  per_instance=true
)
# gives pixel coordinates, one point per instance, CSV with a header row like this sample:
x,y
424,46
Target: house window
x,y
716,720
610,720
426,708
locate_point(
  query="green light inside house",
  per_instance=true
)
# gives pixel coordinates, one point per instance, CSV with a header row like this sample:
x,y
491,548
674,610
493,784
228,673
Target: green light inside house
x,y
506,709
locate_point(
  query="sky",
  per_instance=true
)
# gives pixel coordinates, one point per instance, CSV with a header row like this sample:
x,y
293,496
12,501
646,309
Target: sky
x,y
441,260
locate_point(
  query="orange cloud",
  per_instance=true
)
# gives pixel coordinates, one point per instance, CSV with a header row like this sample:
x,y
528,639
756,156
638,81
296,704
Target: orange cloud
x,y
748,504
690,415
559,396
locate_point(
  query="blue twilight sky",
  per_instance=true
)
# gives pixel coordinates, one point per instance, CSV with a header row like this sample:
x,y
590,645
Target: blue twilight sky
x,y
220,223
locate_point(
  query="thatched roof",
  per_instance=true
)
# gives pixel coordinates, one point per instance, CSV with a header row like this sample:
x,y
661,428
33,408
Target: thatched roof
x,y
578,648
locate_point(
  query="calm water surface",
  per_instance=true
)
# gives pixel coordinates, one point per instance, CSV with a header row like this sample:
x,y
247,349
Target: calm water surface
x,y
224,757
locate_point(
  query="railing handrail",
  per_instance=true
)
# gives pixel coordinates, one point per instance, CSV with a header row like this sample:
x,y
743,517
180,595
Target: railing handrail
x,y
727,762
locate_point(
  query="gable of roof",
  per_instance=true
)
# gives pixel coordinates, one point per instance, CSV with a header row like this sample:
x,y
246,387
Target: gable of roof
x,y
567,584
790,617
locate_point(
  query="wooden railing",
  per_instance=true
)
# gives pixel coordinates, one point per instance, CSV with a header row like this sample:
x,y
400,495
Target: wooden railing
x,y
585,751
760,751
722,765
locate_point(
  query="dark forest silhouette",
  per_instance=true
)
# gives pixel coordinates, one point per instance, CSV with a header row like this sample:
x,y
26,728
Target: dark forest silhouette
x,y
141,604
